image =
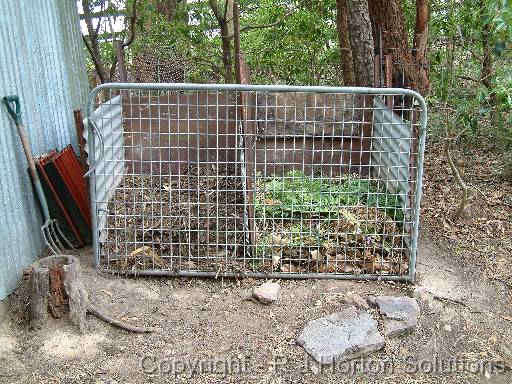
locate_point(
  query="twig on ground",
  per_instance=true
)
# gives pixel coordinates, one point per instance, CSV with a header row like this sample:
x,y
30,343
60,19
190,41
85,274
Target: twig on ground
x,y
464,198
456,301
117,323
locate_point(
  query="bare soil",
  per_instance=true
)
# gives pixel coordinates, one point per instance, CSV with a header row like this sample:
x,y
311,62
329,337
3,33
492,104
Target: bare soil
x,y
208,332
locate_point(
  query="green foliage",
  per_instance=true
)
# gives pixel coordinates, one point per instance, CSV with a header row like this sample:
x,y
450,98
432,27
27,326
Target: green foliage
x,y
465,101
296,194
302,49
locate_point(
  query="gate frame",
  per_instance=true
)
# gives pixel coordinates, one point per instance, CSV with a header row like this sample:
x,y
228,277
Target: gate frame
x,y
92,131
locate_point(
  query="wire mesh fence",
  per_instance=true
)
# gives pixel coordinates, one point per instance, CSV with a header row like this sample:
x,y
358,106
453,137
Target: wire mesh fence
x,y
228,180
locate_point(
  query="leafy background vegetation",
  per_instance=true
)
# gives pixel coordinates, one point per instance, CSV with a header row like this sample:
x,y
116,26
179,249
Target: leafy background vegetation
x,y
295,42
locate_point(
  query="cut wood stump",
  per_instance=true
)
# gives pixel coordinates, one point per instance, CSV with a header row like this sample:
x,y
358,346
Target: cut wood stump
x,y
56,287
56,282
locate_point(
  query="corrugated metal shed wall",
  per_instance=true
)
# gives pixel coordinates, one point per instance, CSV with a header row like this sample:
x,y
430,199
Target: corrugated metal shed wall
x,y
41,60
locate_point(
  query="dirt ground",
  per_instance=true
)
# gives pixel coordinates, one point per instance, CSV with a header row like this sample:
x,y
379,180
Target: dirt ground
x,y
208,332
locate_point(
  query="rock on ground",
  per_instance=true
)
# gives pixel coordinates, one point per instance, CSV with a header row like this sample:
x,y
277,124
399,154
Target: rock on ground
x,y
356,301
400,314
267,293
341,336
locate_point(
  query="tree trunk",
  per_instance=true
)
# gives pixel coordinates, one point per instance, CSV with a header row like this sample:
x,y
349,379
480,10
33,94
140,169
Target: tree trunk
x,y
56,286
347,63
227,54
225,19
388,17
486,69
166,7
361,41
91,41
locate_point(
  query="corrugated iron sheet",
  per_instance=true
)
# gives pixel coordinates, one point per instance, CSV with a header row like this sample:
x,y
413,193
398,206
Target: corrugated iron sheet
x,y
41,60
109,159
391,147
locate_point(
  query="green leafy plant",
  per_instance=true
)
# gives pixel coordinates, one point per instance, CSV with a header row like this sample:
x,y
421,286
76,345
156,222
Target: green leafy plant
x,y
295,194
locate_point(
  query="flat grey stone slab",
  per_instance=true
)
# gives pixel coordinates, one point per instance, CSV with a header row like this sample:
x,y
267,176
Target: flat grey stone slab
x,y
397,308
341,336
400,314
393,328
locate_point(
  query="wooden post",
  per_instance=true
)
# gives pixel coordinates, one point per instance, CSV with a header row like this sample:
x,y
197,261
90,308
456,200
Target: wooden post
x,y
388,77
376,72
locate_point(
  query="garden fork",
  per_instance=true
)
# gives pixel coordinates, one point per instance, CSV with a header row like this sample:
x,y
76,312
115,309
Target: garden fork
x,y
50,229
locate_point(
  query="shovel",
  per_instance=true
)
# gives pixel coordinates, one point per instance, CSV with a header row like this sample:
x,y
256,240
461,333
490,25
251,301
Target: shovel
x,y
50,229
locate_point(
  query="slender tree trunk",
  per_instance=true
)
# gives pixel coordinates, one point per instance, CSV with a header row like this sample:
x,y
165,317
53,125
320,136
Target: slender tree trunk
x,y
388,16
419,51
91,42
361,41
227,54
347,63
486,69
225,19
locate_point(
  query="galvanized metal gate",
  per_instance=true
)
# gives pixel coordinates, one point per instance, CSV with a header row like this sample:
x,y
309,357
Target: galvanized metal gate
x,y
265,181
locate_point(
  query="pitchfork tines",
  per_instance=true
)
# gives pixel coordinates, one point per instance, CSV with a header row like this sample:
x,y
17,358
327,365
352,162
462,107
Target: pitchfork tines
x,y
52,234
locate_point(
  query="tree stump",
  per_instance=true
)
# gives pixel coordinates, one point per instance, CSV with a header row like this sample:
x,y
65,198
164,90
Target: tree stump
x,y
56,287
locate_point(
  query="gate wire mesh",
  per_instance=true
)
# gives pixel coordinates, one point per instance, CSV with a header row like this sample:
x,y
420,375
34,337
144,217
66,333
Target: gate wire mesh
x,y
274,181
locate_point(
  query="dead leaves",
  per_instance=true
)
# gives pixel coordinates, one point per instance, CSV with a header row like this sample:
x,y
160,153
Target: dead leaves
x,y
360,240
143,258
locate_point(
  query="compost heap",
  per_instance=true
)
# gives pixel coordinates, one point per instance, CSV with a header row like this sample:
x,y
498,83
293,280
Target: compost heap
x,y
314,224
172,222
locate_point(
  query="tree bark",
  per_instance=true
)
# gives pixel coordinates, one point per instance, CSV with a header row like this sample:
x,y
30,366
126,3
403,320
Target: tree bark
x,y
39,288
56,284
55,281
361,41
225,19
346,61
388,17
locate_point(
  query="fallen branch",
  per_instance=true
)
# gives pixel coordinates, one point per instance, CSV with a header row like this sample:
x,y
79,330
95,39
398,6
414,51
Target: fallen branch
x,y
464,198
442,298
117,323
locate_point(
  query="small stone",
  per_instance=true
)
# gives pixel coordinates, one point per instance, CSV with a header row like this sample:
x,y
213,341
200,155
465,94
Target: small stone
x,y
341,336
267,293
400,314
355,300
421,293
397,308
447,328
394,328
